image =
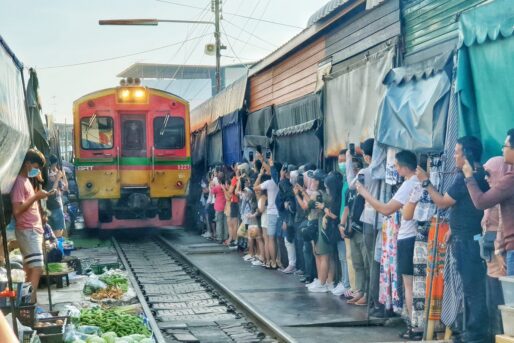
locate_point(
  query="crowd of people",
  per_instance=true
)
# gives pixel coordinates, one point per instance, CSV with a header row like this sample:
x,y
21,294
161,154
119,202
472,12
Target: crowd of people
x,y
403,248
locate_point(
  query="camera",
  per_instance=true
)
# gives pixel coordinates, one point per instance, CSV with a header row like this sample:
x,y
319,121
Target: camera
x,y
352,149
319,198
299,180
360,178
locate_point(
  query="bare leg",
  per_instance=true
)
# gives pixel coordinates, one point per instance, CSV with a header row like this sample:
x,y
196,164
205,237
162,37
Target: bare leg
x,y
33,277
323,268
260,247
266,243
407,284
251,246
331,269
272,247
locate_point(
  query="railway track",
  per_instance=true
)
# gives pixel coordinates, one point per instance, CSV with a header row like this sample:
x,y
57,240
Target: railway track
x,y
184,304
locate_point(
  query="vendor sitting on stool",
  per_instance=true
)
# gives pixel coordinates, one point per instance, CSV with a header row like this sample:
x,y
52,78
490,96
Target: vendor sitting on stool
x,y
53,254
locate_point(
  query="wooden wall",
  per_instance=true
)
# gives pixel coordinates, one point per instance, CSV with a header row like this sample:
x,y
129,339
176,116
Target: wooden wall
x,y
289,79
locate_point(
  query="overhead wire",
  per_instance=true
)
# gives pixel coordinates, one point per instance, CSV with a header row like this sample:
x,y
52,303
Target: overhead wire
x,y
257,24
121,56
251,34
235,15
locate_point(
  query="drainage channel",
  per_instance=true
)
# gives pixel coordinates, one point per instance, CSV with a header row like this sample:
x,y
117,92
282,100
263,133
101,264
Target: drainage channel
x,y
185,305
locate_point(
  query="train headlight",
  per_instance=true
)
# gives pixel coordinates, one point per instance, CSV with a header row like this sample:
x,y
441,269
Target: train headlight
x,y
125,94
139,93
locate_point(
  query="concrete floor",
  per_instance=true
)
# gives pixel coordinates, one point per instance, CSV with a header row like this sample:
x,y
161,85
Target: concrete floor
x,y
308,317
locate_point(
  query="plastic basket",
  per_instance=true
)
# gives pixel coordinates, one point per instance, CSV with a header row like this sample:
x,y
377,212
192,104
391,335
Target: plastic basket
x,y
98,268
50,329
51,338
26,314
27,336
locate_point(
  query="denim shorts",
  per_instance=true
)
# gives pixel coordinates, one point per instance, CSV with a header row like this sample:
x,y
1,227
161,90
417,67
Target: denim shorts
x,y
272,224
56,219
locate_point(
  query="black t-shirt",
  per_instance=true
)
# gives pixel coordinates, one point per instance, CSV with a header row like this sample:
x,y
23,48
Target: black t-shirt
x,y
352,197
465,218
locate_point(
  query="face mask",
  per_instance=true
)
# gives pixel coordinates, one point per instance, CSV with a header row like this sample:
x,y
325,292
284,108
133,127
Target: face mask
x,y
33,172
342,166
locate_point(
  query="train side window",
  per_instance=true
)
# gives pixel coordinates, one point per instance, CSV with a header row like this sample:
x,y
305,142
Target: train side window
x,y
96,133
170,133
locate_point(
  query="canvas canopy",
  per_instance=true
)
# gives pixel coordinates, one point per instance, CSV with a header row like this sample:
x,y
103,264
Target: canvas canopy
x,y
413,113
353,99
485,73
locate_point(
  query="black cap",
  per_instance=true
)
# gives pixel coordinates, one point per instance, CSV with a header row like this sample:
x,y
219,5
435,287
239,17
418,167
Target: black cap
x,y
53,159
318,175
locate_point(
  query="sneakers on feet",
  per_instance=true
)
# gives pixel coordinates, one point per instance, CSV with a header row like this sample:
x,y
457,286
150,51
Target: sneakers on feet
x,y
247,257
313,283
339,289
257,263
289,270
330,285
319,288
298,272
207,234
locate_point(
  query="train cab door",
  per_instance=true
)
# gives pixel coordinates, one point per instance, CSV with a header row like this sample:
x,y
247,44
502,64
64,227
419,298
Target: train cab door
x,y
133,151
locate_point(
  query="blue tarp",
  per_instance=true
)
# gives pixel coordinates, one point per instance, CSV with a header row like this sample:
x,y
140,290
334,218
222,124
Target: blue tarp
x,y
232,138
413,113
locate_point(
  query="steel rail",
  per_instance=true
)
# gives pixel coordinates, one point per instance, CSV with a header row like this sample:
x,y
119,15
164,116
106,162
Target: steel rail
x,y
273,330
146,309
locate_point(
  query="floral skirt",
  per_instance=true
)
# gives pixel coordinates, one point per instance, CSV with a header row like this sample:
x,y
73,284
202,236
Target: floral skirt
x,y
389,293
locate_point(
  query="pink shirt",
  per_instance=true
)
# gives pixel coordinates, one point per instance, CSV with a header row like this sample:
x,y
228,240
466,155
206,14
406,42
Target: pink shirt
x,y
220,201
20,193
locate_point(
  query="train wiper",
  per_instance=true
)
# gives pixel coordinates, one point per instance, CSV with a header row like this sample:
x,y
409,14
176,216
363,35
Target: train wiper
x,y
90,123
164,124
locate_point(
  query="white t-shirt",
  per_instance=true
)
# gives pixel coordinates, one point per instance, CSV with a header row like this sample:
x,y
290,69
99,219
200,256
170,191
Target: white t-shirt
x,y
272,188
408,228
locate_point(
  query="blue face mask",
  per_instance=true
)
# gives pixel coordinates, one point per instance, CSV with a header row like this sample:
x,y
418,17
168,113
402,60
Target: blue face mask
x,y
342,167
34,172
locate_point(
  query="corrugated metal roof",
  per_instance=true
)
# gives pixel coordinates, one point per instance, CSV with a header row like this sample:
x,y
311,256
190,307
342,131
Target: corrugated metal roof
x,y
227,101
326,10
176,71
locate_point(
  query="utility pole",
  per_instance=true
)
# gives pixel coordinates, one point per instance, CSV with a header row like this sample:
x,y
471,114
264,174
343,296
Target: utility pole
x,y
216,7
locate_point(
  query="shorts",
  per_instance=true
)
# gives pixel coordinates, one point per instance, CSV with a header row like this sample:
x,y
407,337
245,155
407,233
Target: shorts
x,y
234,210
405,256
31,247
211,213
272,225
56,219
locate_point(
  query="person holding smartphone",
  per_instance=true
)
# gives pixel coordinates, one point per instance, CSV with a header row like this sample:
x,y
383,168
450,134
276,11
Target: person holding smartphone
x,y
57,184
465,225
29,226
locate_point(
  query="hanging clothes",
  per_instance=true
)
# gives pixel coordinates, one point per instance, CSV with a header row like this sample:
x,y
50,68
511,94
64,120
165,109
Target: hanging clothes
x,y
389,293
438,285
453,296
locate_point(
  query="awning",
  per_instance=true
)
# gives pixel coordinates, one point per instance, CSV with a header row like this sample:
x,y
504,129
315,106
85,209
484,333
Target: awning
x,y
298,111
14,130
225,102
215,148
353,99
297,129
37,128
199,146
485,73
214,127
258,122
251,141
413,113
326,10
232,133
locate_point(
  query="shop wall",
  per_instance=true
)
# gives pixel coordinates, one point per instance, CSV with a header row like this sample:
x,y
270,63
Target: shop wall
x,y
290,79
430,27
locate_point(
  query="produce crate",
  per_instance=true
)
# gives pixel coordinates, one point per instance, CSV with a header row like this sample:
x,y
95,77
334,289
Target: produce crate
x,y
26,314
508,289
52,338
51,327
508,319
98,268
27,336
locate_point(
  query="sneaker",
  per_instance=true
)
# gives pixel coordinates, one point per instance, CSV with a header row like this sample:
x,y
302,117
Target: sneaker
x,y
319,288
247,257
313,283
339,289
330,285
233,244
289,270
207,234
257,263
298,272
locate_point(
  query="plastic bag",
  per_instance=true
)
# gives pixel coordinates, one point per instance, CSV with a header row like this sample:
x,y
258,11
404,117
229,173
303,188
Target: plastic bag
x,y
89,330
18,275
93,284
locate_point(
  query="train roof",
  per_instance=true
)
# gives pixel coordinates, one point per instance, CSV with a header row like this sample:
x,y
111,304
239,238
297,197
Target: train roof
x,y
113,89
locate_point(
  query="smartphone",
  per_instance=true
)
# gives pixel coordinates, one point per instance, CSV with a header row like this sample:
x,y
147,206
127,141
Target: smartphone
x,y
250,156
258,148
360,178
469,156
268,154
352,149
52,192
423,161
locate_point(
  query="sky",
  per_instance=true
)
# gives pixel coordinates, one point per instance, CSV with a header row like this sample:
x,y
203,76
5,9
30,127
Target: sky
x,y
50,35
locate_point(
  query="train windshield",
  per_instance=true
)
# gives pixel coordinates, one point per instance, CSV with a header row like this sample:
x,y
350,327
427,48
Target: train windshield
x,y
169,132
96,132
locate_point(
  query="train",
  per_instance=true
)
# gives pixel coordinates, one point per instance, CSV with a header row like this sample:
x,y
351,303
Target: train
x,y
132,157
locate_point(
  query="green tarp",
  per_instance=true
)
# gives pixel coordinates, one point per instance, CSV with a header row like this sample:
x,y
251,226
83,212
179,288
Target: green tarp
x,y
486,73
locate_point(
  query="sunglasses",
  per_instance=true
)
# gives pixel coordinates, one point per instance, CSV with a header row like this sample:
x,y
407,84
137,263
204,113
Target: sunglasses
x,y
506,147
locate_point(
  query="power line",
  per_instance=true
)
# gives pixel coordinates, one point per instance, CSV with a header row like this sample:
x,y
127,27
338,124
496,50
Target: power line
x,y
257,24
231,48
252,44
235,15
121,56
251,34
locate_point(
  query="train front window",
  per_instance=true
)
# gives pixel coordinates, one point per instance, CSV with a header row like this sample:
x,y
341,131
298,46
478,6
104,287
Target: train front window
x,y
96,133
169,132
133,135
